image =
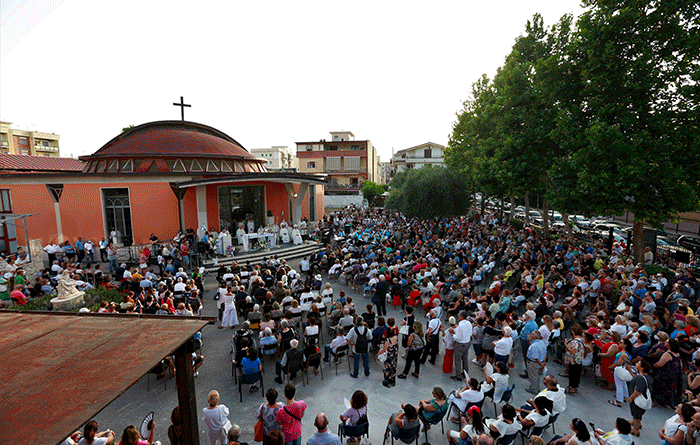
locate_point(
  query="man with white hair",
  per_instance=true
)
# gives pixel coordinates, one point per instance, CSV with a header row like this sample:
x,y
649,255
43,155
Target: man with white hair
x,y
529,326
292,354
379,298
432,334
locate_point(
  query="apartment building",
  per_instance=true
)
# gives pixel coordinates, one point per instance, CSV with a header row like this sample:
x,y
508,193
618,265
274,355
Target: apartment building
x,y
277,157
347,162
428,153
26,142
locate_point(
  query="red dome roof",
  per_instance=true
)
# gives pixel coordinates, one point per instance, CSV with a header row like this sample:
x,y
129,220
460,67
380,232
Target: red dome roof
x,y
170,139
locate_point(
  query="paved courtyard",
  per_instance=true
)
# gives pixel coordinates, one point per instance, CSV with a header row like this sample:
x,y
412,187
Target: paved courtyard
x,y
327,395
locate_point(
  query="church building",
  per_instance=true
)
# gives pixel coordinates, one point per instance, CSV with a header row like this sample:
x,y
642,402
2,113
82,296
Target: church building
x,y
155,178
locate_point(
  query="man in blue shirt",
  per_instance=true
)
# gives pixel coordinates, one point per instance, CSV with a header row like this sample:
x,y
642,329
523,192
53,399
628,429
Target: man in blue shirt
x,y
536,361
528,327
322,436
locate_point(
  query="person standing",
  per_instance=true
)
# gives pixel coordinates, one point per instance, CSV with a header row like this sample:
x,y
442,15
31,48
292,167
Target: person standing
x,y
415,349
112,258
536,358
359,339
462,337
379,298
90,252
640,385
575,350
289,417
103,249
391,348
322,436
215,417
432,346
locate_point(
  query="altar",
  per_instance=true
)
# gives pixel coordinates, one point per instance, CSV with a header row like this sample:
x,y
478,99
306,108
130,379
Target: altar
x,y
248,237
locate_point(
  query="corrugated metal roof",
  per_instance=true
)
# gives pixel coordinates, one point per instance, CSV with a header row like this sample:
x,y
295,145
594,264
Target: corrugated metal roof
x,y
58,371
24,164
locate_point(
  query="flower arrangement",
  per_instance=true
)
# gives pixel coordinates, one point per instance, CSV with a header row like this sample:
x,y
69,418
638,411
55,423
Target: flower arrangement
x,y
261,245
230,250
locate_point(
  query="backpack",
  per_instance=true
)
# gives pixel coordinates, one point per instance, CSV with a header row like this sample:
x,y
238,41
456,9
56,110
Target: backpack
x,y
361,344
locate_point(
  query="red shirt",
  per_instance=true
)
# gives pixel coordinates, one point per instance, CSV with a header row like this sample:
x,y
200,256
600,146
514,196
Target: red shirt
x,y
291,427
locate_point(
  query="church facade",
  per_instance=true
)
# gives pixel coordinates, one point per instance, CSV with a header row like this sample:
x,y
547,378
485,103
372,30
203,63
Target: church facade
x,y
156,178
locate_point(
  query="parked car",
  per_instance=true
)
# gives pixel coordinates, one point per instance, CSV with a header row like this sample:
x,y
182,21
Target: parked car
x,y
690,242
580,220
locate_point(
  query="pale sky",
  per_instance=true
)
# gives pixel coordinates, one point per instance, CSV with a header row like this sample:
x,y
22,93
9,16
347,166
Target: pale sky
x,y
264,72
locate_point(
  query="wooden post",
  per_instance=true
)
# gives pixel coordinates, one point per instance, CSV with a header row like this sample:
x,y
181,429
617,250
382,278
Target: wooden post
x,y
186,394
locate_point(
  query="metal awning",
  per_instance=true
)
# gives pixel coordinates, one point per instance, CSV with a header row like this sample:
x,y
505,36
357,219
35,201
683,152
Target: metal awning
x,y
60,370
10,218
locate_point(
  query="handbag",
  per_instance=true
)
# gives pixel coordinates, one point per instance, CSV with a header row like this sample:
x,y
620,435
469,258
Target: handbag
x,y
382,357
226,426
259,431
403,330
644,401
623,374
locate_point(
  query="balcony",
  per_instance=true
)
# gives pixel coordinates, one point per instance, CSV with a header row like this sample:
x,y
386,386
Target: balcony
x,y
38,147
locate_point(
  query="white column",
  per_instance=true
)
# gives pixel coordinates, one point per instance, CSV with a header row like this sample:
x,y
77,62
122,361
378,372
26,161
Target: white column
x,y
59,226
296,199
201,194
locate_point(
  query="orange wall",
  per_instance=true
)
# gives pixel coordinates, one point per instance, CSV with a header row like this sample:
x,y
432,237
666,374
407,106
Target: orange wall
x,y
153,210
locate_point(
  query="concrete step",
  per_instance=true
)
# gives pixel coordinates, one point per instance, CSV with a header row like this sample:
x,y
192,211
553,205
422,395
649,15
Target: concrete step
x,y
287,252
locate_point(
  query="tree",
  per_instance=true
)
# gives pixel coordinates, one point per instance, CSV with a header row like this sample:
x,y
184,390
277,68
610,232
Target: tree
x,y
371,190
430,192
629,111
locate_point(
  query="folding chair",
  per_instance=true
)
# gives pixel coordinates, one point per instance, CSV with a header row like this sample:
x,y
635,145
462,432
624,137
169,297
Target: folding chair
x,y
505,398
353,431
552,420
506,440
438,418
294,367
533,431
313,361
341,352
161,367
250,379
405,436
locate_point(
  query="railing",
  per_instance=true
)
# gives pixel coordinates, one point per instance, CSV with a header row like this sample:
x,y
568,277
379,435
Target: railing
x,y
336,186
45,148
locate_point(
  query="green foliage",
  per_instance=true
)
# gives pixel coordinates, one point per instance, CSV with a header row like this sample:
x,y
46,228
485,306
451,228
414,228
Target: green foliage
x,y
93,297
653,269
129,127
600,117
371,190
430,192
36,304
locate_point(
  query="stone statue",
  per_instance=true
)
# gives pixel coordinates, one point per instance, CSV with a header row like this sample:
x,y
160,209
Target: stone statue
x,y
66,286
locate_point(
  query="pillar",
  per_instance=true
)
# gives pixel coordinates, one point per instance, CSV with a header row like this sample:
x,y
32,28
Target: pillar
x,y
201,195
296,199
186,394
55,190
179,194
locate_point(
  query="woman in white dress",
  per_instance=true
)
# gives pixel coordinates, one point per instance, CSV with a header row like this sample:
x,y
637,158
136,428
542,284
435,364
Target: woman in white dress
x,y
230,318
469,395
215,417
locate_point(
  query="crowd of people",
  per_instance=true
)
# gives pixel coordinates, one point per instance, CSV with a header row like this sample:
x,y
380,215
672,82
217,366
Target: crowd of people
x,y
463,284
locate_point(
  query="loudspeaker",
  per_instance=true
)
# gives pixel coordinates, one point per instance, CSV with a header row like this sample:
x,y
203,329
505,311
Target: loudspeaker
x,y
681,257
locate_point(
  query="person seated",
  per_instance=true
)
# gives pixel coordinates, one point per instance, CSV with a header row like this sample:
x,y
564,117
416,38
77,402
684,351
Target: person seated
x,y
472,427
553,392
537,417
338,341
321,437
505,424
356,414
131,436
495,385
403,420
428,410
469,395
579,436
621,435
347,320
250,364
292,354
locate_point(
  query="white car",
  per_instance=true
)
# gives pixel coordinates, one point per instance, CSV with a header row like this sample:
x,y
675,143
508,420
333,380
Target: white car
x,y
580,220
